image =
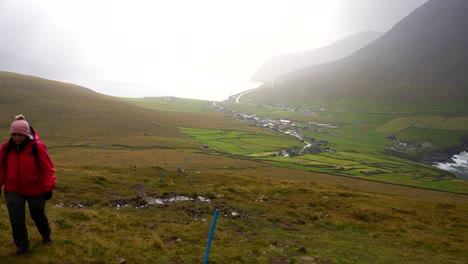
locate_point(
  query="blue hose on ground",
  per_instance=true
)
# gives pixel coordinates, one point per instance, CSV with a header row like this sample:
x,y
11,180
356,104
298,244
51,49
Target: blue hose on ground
x,y
210,237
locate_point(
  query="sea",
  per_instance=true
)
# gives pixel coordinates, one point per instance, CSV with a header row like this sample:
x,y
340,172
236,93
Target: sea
x,y
459,167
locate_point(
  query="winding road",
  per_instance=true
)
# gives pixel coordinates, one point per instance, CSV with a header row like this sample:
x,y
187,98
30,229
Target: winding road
x,y
253,90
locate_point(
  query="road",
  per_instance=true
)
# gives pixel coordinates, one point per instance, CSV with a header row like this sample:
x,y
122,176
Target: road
x,y
253,90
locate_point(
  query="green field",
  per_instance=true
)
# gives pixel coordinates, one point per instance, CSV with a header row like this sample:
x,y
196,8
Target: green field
x,y
354,158
173,104
428,122
240,142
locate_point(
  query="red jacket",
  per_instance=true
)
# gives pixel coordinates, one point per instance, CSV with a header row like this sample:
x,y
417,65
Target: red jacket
x,y
21,173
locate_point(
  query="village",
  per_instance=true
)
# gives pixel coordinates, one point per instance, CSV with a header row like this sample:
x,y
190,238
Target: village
x,y
311,145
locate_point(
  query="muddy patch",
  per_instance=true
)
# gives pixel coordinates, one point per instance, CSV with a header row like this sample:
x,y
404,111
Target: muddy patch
x,y
167,197
133,202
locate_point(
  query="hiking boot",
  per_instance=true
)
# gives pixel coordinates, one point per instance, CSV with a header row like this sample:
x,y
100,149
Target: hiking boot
x,y
47,240
20,250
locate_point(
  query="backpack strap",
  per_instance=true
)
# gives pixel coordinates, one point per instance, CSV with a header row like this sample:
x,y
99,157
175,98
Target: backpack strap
x,y
5,155
33,151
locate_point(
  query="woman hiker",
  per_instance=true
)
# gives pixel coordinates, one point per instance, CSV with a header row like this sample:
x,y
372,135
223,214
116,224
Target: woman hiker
x,y
28,175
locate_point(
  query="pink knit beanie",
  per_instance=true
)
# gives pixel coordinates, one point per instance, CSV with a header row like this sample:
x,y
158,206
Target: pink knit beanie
x,y
20,126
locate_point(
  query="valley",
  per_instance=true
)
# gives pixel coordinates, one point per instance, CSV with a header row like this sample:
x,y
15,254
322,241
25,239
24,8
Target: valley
x,y
350,144
131,176
329,161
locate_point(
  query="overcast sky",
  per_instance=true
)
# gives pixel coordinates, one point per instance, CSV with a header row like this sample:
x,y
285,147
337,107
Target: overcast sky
x,y
201,49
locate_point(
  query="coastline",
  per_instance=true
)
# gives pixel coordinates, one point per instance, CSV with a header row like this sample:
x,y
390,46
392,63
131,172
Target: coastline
x,y
452,159
458,166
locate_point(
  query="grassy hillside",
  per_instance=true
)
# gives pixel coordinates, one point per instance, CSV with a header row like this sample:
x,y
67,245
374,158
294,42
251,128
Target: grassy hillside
x,y
145,188
67,114
268,214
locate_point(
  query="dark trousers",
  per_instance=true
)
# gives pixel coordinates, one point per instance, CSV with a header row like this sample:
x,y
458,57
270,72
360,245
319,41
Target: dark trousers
x,y
16,209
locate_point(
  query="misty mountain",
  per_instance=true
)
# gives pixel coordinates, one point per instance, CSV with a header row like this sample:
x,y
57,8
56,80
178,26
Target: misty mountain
x,y
285,63
10,61
423,58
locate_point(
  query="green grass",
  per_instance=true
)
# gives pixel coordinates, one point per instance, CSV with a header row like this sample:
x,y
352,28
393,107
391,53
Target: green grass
x,y
240,142
426,122
354,158
361,147
276,221
439,138
172,104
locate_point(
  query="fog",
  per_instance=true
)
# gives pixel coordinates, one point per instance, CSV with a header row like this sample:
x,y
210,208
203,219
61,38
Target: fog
x,y
205,49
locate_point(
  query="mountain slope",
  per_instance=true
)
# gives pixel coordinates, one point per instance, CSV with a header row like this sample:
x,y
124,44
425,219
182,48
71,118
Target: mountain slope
x,y
285,63
72,111
422,59
68,114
